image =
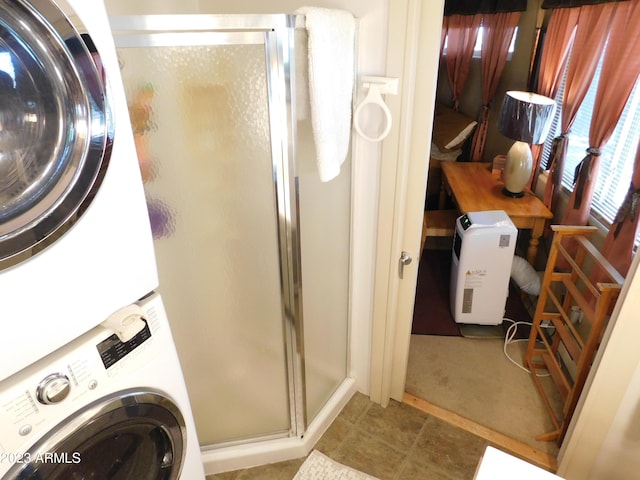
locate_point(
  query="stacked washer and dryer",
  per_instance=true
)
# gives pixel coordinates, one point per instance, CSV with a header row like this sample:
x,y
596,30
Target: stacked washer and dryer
x,y
90,383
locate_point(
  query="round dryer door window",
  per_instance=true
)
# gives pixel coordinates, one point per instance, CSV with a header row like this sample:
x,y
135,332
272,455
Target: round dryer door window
x,y
55,126
130,436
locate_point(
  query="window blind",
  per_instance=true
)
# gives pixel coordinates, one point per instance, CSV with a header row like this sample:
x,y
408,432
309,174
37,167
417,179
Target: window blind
x,y
616,163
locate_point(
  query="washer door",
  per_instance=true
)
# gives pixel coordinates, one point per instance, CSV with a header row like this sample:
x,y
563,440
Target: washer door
x,y
131,435
55,131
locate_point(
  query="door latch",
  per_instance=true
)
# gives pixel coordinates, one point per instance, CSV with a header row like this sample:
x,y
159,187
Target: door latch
x,y
405,259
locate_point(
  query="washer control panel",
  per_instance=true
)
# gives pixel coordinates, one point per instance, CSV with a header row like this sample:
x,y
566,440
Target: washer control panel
x,y
112,349
35,399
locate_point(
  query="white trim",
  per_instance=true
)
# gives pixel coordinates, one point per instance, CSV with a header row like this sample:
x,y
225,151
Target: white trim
x,y
422,68
364,194
385,281
403,180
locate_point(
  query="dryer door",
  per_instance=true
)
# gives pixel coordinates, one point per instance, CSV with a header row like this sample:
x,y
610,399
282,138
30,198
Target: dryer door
x,y
130,435
55,128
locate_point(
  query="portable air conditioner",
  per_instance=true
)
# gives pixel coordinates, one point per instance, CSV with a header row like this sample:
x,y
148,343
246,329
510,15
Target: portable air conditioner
x,y
482,254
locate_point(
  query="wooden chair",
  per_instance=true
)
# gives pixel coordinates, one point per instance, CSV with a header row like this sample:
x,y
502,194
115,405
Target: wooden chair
x,y
438,223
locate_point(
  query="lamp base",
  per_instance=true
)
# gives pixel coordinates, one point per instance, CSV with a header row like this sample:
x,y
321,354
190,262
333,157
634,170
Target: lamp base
x,y
517,169
512,194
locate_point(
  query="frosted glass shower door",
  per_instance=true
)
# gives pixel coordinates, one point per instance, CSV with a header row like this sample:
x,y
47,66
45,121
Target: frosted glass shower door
x,y
200,115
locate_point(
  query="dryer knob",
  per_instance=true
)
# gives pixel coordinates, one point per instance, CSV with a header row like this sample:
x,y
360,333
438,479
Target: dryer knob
x,y
53,389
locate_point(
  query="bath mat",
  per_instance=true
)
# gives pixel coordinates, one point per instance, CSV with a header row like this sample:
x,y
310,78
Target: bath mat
x,y
318,466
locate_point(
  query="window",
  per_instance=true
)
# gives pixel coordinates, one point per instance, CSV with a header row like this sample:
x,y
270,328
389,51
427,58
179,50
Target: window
x,y
616,162
477,49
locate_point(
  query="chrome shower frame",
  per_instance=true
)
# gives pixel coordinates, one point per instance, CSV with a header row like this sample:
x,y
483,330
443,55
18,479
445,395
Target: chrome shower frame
x,y
276,33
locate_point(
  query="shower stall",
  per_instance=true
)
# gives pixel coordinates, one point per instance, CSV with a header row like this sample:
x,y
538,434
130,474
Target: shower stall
x,y
252,248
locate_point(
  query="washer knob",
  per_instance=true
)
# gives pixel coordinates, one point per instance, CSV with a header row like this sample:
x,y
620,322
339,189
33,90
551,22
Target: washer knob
x,y
53,389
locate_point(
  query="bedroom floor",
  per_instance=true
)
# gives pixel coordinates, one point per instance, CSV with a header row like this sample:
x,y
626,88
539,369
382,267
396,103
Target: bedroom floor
x,y
475,379
399,442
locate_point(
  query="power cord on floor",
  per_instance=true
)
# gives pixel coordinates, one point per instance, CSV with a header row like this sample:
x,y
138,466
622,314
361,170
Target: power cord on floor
x,y
509,339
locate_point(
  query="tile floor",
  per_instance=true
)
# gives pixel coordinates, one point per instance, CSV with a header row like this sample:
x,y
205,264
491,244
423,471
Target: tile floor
x,y
394,443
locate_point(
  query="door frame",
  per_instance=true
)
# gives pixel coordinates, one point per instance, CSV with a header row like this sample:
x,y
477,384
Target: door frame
x,y
414,29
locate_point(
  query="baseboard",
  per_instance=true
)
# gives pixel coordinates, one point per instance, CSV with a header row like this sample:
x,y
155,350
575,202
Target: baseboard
x,y
247,455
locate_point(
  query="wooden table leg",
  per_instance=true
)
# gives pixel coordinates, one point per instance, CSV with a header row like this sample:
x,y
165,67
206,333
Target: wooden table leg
x,y
534,242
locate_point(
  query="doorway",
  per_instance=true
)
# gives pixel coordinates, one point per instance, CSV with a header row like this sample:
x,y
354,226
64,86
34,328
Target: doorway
x,y
405,165
472,370
605,412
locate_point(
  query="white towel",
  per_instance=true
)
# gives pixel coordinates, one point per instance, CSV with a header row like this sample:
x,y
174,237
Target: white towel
x,y
331,76
302,75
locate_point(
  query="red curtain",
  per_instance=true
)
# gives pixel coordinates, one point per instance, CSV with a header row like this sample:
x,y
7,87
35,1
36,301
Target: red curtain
x,y
592,28
498,31
462,31
559,37
620,69
620,72
618,246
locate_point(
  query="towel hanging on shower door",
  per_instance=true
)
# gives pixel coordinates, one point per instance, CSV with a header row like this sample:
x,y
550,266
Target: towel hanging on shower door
x,y
331,75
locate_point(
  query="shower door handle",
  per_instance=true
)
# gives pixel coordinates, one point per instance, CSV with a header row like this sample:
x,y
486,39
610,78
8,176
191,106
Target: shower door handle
x,y
405,259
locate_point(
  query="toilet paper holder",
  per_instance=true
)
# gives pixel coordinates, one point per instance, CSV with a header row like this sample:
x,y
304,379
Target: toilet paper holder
x,y
376,87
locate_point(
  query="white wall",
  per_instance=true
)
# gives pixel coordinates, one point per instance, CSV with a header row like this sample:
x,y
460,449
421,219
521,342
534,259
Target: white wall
x,y
146,7
604,441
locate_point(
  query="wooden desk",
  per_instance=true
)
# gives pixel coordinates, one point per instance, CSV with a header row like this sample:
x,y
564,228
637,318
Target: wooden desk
x,y
474,189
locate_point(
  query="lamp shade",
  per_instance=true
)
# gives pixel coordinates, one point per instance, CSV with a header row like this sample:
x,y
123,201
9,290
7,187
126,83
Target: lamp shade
x,y
526,116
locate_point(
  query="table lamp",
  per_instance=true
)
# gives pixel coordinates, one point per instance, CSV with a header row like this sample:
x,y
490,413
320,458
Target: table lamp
x,y
526,118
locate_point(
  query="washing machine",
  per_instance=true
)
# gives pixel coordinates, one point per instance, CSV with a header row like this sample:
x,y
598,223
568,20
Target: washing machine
x,y
110,404
75,239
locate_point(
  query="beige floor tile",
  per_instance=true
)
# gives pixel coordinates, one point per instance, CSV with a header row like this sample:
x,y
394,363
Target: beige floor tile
x,y
355,408
398,424
334,436
369,454
448,449
412,470
394,443
275,471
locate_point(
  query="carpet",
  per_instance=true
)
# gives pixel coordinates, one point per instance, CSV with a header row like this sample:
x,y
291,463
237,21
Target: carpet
x,y
320,467
432,314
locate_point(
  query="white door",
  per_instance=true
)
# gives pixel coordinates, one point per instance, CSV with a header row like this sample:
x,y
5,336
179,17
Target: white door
x,y
414,28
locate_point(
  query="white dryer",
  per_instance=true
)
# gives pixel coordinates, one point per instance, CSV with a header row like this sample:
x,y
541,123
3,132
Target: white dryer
x,y
101,407
75,239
